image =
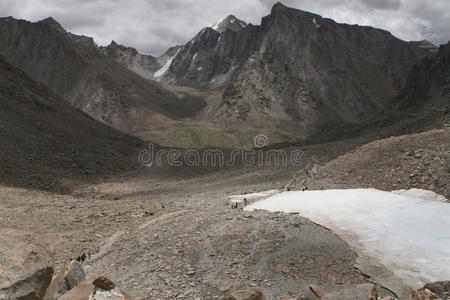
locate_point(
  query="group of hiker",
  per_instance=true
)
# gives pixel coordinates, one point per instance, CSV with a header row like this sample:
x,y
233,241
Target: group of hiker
x,y
235,205
83,257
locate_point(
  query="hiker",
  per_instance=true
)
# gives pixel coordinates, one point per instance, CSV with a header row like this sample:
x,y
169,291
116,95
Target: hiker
x,y
89,254
83,257
78,259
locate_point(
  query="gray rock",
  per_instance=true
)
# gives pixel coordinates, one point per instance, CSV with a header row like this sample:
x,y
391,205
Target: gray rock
x,y
87,290
251,294
71,276
25,266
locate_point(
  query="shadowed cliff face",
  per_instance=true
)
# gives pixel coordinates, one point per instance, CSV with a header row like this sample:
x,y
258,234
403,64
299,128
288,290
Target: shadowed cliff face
x,y
424,102
74,68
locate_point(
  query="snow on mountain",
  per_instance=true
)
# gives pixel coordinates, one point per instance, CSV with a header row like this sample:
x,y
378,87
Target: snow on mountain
x,y
166,67
229,23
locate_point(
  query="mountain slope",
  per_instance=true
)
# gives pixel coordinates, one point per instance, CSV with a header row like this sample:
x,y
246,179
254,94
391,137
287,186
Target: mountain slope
x,y
74,68
409,161
214,55
296,71
144,65
424,102
48,144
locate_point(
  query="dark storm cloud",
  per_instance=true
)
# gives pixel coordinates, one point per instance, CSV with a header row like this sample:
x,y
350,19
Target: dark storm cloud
x,y
153,26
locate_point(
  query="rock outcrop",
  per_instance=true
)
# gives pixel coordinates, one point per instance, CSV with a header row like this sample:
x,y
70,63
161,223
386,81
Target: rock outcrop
x,y
214,56
96,288
437,290
68,278
25,266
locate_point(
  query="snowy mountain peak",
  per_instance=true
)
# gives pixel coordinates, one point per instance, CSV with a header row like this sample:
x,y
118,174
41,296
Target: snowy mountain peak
x,y
229,23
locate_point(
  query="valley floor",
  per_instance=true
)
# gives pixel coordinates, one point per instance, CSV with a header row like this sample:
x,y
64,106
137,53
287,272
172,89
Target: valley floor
x,y
169,233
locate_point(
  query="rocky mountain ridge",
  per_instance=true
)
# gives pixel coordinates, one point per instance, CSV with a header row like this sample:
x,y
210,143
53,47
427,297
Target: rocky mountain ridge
x,y
75,68
144,65
296,74
303,73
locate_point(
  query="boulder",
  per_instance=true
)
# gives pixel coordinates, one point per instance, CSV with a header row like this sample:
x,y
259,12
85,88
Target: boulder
x,y
440,288
71,276
251,294
435,290
88,291
26,267
104,283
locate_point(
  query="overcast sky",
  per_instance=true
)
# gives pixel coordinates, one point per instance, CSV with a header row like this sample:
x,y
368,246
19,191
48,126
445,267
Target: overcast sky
x,y
152,26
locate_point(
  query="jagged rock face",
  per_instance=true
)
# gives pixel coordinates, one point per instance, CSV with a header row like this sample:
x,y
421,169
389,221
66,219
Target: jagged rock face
x,y
25,266
74,68
424,102
213,57
144,65
297,70
429,78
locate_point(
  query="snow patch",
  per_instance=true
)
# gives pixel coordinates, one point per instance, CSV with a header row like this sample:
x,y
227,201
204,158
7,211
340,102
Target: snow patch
x,y
166,67
408,232
315,23
216,26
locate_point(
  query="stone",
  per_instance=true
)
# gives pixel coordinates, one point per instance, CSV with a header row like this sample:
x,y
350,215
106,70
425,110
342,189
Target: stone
x,y
68,278
26,267
87,291
251,294
311,293
104,283
440,288
435,290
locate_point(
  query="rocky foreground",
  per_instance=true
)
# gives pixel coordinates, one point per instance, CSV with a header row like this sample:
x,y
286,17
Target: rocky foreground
x,y
169,233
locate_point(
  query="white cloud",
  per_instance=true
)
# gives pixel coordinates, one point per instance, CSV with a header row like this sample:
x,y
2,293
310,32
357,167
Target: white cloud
x,y
153,26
